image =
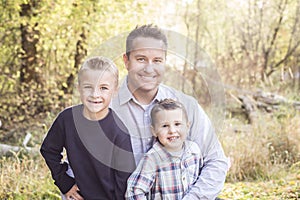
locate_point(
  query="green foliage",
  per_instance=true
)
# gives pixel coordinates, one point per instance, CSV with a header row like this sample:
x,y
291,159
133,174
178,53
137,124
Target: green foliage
x,y
284,188
57,27
232,33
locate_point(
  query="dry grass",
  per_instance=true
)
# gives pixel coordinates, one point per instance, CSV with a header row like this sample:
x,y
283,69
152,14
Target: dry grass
x,y
264,150
26,178
263,160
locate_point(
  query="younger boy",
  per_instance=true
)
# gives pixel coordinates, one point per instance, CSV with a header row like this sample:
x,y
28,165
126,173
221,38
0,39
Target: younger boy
x,y
97,143
169,169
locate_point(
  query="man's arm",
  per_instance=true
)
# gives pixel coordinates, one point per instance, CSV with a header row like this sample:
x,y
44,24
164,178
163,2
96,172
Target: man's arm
x,y
215,164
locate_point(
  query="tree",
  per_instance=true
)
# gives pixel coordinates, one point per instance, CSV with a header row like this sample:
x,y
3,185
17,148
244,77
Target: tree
x,y
268,37
29,70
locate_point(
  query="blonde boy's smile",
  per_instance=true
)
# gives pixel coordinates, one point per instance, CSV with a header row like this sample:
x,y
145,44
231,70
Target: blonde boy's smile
x,y
96,90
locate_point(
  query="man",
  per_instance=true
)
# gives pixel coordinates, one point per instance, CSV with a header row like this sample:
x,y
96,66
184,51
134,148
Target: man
x,y
145,60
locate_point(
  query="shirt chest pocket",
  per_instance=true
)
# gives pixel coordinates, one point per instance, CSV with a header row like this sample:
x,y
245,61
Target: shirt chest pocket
x,y
190,172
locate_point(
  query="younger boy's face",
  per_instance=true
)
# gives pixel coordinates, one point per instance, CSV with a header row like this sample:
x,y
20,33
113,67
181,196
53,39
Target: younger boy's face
x,y
171,128
96,90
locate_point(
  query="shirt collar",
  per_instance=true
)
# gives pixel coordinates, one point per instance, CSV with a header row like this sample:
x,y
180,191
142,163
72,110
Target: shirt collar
x,y
160,94
189,149
162,153
125,95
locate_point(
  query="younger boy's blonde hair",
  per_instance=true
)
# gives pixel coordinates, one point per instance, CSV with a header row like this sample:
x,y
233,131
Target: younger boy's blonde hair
x,y
102,64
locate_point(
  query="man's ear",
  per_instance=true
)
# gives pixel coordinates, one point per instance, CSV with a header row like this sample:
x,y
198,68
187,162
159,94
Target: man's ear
x,y
126,60
188,124
153,131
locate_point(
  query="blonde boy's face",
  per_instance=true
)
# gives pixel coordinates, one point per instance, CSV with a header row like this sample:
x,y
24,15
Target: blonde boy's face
x,y
96,88
171,128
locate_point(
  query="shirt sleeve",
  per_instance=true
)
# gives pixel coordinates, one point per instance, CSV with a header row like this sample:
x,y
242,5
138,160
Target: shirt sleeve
x,y
141,180
51,150
215,164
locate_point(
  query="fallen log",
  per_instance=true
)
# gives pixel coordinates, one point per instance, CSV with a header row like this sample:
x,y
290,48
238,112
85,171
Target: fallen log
x,y
251,103
6,150
249,106
274,100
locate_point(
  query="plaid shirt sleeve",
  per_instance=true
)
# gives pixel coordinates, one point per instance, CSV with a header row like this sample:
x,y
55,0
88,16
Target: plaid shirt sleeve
x,y
141,180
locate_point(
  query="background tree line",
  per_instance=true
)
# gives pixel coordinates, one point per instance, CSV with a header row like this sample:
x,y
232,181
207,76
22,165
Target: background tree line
x,y
254,45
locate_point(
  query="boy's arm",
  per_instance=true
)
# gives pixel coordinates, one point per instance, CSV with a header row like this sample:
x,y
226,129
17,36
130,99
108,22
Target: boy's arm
x,y
123,164
51,150
141,180
213,172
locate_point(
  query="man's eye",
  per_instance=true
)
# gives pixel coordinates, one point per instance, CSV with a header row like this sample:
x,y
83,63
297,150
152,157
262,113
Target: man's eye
x,y
158,61
87,87
165,126
104,88
177,124
141,59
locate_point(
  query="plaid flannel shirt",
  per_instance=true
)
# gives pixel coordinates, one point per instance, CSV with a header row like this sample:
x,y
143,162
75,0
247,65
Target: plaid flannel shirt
x,y
160,175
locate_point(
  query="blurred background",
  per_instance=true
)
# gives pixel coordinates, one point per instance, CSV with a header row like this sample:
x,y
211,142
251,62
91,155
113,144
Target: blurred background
x,y
249,85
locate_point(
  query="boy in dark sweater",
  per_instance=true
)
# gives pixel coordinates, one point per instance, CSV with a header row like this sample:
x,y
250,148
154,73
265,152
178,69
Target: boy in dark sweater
x,y
97,143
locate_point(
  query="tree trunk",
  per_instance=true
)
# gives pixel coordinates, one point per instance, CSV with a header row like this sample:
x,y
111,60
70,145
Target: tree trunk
x,y
196,53
29,39
185,66
298,76
80,54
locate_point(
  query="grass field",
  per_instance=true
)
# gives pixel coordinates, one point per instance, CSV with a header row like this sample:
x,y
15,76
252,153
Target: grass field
x,y
29,178
265,163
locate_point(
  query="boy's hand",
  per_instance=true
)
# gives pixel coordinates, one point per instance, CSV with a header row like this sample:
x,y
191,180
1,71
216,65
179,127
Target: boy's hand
x,y
73,194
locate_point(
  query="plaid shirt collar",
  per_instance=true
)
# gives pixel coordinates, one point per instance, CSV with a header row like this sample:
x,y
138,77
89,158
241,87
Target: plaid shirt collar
x,y
163,154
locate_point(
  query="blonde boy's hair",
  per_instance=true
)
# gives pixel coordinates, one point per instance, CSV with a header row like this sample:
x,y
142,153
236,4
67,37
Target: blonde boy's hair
x,y
102,64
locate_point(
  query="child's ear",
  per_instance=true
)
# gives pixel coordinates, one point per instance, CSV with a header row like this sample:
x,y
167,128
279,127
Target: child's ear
x,y
153,131
77,87
116,90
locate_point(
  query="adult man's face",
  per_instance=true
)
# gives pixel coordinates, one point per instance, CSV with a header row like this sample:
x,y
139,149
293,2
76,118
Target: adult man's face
x,y
145,65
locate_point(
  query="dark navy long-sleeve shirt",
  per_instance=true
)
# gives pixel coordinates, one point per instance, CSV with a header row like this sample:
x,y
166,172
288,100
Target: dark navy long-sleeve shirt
x,y
99,153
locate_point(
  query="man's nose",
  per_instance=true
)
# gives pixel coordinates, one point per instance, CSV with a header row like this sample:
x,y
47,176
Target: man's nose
x,y
149,68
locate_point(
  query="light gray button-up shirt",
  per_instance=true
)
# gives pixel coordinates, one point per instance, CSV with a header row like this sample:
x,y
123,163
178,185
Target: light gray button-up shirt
x,y
136,118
